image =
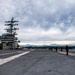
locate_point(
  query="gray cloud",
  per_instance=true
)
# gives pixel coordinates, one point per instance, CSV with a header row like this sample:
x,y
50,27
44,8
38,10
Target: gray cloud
x,y
41,19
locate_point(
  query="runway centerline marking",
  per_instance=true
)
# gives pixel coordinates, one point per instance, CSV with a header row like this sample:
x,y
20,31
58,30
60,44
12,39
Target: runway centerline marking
x,y
3,61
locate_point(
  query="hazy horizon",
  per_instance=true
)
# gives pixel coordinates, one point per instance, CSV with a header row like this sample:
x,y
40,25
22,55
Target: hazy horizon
x,y
48,42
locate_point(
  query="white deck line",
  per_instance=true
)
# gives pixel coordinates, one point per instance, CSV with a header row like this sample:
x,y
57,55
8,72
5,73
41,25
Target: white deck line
x,y
71,54
3,61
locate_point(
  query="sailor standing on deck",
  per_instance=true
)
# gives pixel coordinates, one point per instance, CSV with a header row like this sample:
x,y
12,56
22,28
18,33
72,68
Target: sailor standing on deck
x,y
67,49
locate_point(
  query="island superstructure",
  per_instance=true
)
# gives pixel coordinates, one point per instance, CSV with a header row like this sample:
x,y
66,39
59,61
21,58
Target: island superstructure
x,y
9,39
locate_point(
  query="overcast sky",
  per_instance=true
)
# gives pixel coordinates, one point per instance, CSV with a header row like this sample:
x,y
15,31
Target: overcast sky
x,y
40,20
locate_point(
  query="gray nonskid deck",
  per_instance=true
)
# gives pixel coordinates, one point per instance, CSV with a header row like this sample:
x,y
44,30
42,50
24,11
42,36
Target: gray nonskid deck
x,y
40,62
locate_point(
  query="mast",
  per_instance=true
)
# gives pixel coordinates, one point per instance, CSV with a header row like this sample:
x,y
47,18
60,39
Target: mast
x,y
12,29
